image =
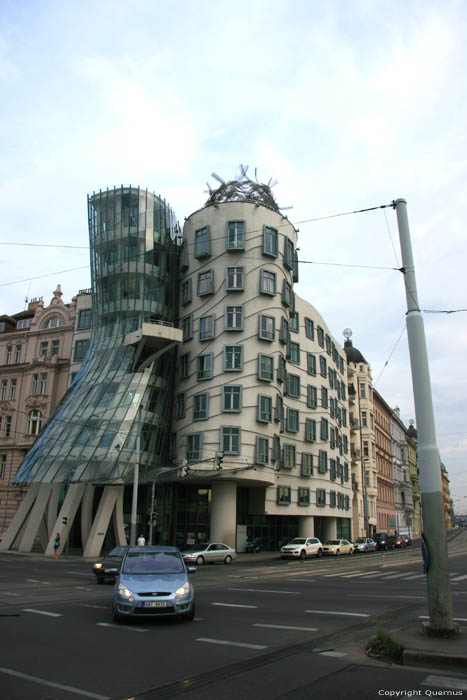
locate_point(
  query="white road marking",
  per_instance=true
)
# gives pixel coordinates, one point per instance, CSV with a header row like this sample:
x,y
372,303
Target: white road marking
x,y
263,590
363,573
415,576
389,576
367,595
304,580
340,574
97,607
288,627
334,612
459,578
42,681
445,682
42,612
335,654
232,605
32,580
10,593
83,588
225,642
121,627
456,619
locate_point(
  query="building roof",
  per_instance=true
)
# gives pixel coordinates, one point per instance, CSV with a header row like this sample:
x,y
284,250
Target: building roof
x,y
353,355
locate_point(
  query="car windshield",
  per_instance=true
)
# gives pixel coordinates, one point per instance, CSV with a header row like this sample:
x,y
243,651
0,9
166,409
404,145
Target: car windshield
x,y
117,552
153,563
298,540
333,542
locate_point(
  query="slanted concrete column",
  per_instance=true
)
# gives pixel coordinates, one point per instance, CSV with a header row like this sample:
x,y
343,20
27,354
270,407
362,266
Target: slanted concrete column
x,y
101,521
224,512
20,517
306,526
330,529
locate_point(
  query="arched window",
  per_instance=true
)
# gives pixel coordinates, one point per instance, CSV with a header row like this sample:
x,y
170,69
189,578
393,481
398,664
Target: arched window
x,y
35,422
54,322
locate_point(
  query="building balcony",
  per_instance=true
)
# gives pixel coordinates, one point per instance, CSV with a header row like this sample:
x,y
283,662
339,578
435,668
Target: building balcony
x,y
156,335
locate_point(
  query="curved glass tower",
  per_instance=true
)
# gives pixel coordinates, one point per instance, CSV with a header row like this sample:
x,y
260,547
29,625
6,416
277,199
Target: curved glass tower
x,y
124,387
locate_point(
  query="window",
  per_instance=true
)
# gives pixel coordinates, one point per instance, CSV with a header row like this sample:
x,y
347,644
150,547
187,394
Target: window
x,y
270,241
193,447
264,409
303,496
7,429
328,344
310,430
43,384
293,420
332,438
324,431
266,367
324,397
364,419
230,440
205,366
276,449
281,369
267,283
322,462
295,353
233,358
311,396
54,322
187,327
205,283
311,363
34,422
2,466
200,406
206,327
320,497
55,347
180,405
233,318
279,411
234,279
81,348
186,295
34,384
284,331
283,495
320,334
309,329
323,366
362,391
294,321
289,253
12,389
231,398
332,499
18,354
307,464
44,348
266,327
185,366
332,469
84,319
236,235
184,257
289,456
202,243
287,294
3,389
24,323
293,388
261,450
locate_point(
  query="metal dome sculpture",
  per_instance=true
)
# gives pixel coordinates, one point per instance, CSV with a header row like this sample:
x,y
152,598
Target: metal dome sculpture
x,y
244,189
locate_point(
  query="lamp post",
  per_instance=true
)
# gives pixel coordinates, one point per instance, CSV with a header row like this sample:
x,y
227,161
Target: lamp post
x,y
134,502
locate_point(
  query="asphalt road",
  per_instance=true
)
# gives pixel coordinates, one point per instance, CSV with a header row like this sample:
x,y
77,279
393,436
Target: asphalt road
x,y
263,629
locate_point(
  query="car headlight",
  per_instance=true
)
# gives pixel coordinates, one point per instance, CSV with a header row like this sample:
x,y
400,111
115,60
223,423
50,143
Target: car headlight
x,y
97,566
124,591
183,590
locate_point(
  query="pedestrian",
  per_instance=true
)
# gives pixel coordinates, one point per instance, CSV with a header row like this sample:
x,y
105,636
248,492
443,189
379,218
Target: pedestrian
x,y
56,545
141,542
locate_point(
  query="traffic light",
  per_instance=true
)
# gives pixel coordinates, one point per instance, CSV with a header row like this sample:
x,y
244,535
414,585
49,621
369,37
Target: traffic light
x,y
219,460
154,518
185,468
64,520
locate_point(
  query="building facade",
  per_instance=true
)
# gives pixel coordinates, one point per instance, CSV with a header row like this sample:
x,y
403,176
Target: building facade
x,y
411,437
385,507
403,498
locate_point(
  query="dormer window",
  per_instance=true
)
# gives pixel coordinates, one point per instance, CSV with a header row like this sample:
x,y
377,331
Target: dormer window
x,y
54,322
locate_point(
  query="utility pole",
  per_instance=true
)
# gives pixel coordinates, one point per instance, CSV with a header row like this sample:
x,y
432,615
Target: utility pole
x,y
134,503
434,529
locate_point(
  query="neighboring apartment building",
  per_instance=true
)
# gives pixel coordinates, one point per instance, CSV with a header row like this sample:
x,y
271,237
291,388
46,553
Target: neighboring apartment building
x,y
403,499
35,351
82,332
411,437
385,508
362,438
447,500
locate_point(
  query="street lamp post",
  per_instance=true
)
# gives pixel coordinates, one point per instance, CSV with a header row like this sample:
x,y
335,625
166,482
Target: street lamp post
x,y
134,502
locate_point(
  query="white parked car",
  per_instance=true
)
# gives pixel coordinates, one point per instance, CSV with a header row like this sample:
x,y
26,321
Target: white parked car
x,y
337,547
301,548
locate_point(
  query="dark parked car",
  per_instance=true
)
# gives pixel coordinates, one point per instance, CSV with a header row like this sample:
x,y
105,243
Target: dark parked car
x,y
384,541
407,539
400,541
107,569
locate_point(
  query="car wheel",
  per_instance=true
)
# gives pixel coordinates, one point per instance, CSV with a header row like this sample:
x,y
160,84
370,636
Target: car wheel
x,y
302,555
116,616
100,579
350,551
319,553
200,561
338,552
189,615
228,559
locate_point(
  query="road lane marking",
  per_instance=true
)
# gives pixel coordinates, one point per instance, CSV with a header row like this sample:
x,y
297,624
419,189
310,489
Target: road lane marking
x,y
414,576
363,573
445,682
225,642
389,576
287,627
456,619
121,627
335,654
233,605
42,612
304,580
97,607
32,580
334,612
11,593
368,595
51,684
459,578
341,573
263,590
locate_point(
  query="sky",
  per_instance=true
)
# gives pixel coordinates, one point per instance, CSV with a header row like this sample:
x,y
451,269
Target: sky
x,y
348,104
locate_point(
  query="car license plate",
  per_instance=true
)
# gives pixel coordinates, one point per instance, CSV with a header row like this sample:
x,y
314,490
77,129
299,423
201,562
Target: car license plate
x,y
155,604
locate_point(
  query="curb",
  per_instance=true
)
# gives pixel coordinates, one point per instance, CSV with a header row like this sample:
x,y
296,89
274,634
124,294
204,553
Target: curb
x,y
417,657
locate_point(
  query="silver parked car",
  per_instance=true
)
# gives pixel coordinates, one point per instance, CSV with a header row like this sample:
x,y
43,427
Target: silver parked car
x,y
153,581
365,544
210,552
